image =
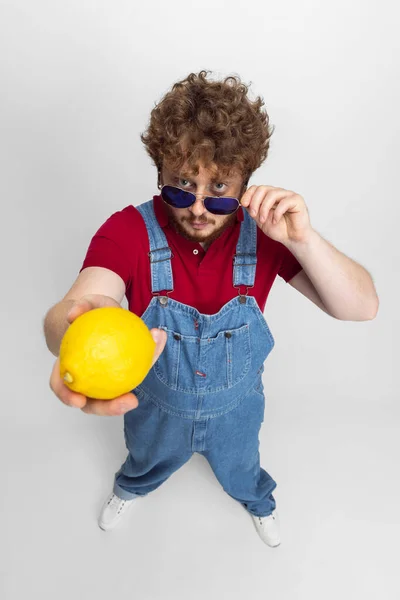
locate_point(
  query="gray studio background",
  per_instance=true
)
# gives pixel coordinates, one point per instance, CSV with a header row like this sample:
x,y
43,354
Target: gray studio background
x,y
78,82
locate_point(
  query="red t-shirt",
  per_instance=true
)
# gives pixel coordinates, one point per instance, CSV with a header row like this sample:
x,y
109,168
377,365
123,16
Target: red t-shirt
x,y
202,279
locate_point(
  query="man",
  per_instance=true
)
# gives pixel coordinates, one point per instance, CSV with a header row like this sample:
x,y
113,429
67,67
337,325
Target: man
x,y
197,263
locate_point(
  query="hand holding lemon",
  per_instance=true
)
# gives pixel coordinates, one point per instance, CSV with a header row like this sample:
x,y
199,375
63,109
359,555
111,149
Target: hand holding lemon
x,y
105,353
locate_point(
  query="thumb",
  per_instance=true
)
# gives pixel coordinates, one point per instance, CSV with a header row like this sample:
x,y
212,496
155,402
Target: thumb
x,y
160,338
78,308
89,302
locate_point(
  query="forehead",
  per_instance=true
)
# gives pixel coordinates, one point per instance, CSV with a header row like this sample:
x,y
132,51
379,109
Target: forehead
x,y
209,176
212,173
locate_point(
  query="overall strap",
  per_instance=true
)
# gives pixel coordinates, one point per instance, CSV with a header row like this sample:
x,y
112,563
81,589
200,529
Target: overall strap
x,y
245,259
160,254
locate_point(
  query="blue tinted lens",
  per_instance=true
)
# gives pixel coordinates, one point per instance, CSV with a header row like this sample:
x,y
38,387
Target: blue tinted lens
x,y
221,206
176,197
181,199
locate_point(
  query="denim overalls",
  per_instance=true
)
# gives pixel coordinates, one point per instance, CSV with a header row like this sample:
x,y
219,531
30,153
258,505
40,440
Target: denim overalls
x,y
205,392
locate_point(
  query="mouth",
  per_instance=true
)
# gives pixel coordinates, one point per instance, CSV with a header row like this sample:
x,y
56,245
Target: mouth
x,y
198,225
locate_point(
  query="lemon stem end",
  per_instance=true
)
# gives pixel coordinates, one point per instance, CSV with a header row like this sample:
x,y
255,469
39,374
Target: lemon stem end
x,y
68,377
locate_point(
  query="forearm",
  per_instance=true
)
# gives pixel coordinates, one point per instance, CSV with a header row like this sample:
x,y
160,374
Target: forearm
x,y
344,286
56,324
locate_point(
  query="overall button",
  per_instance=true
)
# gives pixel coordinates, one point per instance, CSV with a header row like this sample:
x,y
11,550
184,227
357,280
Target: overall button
x,y
163,300
177,336
228,334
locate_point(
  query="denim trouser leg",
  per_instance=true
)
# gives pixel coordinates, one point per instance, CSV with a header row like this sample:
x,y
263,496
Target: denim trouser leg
x,y
232,449
158,444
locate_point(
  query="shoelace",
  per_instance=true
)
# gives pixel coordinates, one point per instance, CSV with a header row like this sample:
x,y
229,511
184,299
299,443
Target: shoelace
x,y
268,517
115,501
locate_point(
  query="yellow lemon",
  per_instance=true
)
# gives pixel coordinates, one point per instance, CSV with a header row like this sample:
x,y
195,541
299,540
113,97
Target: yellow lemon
x,y
106,352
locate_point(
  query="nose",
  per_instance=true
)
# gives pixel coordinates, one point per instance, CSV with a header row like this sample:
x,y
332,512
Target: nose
x,y
198,207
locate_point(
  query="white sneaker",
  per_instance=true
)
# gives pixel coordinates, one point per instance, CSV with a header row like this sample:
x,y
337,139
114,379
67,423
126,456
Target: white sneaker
x,y
112,511
268,529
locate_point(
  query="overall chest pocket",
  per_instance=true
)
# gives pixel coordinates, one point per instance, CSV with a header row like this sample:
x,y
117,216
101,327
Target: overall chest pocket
x,y
203,365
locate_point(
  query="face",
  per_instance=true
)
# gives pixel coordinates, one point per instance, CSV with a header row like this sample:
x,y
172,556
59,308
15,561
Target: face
x,y
196,223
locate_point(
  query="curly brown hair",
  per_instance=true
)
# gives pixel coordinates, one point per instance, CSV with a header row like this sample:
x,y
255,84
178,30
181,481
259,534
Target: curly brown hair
x,y
208,122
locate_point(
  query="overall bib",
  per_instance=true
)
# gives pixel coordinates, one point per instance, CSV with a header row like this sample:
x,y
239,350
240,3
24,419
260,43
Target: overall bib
x,y
205,392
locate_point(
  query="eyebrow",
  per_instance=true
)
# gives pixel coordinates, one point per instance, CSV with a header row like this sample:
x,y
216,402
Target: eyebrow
x,y
216,179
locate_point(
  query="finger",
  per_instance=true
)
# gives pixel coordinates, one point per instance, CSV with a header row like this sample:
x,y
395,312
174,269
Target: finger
x,y
89,302
266,195
111,408
257,198
248,195
81,306
62,392
288,203
160,338
271,201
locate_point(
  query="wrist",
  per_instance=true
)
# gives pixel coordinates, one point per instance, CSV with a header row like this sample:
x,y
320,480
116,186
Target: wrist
x,y
304,243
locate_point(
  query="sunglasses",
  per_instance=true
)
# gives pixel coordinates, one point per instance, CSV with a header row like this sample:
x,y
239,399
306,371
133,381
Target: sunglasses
x,y
178,198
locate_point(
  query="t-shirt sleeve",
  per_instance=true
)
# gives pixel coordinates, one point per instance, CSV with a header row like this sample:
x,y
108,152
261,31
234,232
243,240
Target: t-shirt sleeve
x,y
290,266
106,249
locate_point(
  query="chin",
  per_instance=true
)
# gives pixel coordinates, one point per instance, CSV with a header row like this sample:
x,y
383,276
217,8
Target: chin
x,y
197,236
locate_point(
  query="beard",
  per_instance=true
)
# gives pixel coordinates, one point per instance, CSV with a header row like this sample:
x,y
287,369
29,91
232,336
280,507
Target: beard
x,y
192,235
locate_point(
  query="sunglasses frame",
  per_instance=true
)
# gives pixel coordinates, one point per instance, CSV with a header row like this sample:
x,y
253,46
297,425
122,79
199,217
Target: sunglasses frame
x,y
203,200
